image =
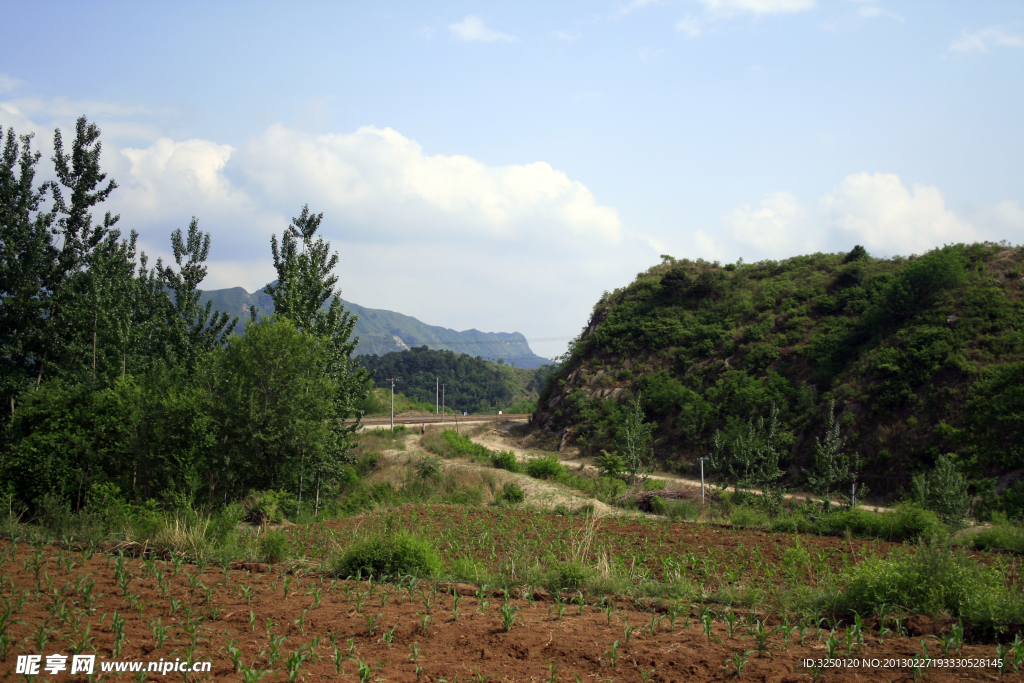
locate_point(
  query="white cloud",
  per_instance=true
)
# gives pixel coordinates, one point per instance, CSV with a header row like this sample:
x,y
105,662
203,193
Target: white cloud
x,y
980,41
9,83
757,7
633,6
689,27
472,29
1005,220
381,183
565,35
778,227
879,212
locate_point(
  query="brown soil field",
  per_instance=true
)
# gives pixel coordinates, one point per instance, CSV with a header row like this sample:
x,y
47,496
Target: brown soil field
x,y
250,620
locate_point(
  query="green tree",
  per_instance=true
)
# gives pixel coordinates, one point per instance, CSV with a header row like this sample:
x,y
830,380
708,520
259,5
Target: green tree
x,y
68,325
635,443
192,330
751,458
305,284
26,258
275,403
832,467
944,492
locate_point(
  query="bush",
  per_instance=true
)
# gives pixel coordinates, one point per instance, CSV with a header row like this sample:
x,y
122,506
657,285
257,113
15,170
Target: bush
x,y
545,467
934,580
267,507
513,494
909,521
1004,536
506,460
273,546
398,554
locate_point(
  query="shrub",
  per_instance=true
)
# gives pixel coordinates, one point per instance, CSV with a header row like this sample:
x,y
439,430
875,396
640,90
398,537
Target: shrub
x,y
273,546
934,580
545,467
1004,536
506,460
267,507
512,493
398,554
907,522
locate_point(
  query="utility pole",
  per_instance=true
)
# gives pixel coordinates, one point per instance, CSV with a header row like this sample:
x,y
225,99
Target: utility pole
x,y
702,479
442,403
392,380
437,384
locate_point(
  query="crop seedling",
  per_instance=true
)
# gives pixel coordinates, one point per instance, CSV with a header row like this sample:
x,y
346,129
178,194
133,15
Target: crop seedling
x,y
559,607
371,623
294,663
247,592
761,636
160,633
301,622
629,631
273,652
655,622
338,657
730,618
508,616
613,653
739,660
424,622
553,671
389,636
250,674
287,583
234,654
118,626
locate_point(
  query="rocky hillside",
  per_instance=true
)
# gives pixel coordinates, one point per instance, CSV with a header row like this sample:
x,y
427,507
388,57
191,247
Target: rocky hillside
x,y
921,356
381,332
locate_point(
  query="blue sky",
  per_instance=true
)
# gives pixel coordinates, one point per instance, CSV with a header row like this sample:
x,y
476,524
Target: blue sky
x,y
499,165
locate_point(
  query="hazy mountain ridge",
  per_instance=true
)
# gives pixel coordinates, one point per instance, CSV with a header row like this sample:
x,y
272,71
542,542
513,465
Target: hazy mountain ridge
x,y
382,331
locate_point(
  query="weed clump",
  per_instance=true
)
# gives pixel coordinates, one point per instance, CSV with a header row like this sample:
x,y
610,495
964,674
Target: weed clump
x,y
933,580
390,554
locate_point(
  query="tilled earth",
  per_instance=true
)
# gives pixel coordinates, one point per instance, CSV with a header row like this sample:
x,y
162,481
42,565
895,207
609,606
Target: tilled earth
x,y
254,619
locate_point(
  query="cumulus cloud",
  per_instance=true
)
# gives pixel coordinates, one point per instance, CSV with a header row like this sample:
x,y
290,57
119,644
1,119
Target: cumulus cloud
x,y
472,29
381,183
878,211
778,227
981,41
757,7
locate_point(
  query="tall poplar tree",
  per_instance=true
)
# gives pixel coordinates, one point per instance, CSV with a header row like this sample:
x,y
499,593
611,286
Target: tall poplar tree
x,y
305,284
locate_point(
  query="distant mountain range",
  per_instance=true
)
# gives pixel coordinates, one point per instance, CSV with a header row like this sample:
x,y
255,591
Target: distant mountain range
x,y
381,331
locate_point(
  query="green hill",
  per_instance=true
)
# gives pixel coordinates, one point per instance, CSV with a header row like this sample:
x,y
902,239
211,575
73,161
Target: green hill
x,y
471,384
922,356
381,332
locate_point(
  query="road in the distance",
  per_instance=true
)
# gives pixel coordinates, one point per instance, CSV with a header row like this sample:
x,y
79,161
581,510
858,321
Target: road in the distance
x,y
447,419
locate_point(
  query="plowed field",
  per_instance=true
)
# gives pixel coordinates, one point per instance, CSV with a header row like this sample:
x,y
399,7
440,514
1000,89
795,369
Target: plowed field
x,y
269,622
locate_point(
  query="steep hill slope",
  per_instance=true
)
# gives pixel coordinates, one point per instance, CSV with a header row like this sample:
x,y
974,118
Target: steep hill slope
x,y
382,332
922,356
